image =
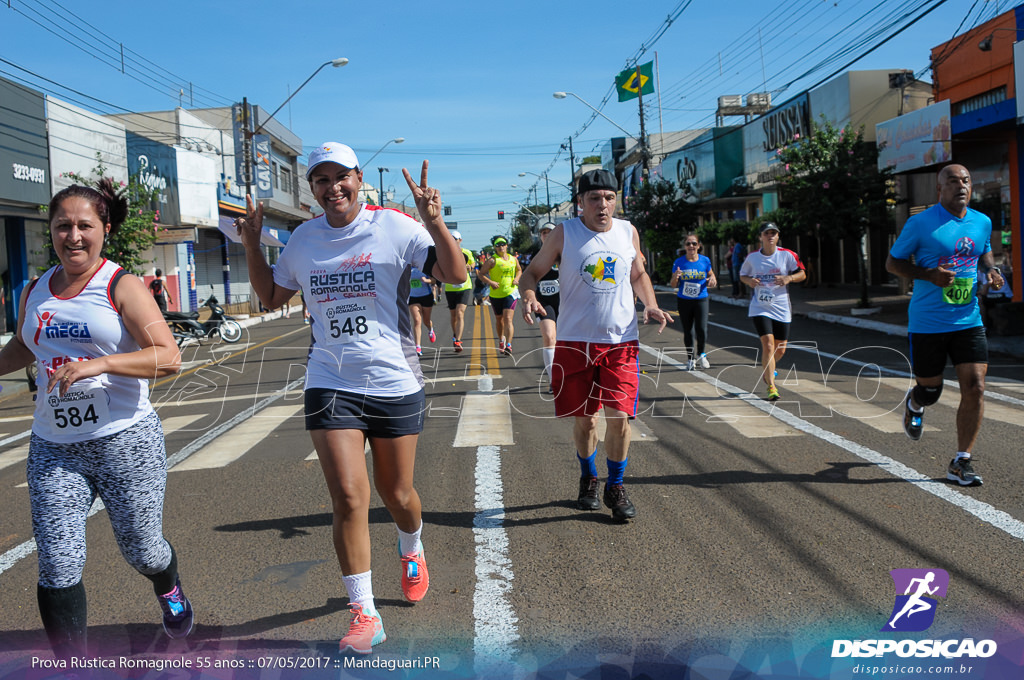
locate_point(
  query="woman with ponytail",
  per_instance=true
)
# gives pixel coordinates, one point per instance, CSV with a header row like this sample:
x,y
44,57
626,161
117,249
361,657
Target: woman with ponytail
x,y
98,338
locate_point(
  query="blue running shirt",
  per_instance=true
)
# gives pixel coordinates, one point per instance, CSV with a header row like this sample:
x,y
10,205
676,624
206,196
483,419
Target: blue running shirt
x,y
936,238
693,282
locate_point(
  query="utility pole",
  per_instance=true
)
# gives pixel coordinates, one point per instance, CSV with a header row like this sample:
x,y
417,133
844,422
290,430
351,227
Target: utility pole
x,y
246,146
572,180
644,156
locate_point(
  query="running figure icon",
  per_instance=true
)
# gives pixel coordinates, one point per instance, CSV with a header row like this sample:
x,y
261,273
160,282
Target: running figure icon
x,y
916,603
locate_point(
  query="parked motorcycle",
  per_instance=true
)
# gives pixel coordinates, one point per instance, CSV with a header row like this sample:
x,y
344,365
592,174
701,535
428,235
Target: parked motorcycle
x,y
186,326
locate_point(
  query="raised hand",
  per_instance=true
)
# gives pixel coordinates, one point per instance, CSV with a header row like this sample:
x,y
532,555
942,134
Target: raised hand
x,y
428,199
250,227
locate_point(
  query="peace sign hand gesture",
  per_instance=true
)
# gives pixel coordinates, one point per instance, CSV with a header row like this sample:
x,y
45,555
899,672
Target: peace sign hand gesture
x,y
250,227
428,199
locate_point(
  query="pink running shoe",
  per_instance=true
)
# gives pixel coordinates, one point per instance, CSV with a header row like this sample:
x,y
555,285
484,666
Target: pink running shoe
x,y
415,579
364,632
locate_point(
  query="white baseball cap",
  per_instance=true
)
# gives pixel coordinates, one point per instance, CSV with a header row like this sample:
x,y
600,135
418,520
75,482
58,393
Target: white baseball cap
x,y
332,152
547,226
456,235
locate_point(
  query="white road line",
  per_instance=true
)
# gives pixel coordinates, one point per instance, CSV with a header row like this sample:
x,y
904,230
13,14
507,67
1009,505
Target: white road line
x,y
734,412
983,511
496,626
239,440
15,437
14,456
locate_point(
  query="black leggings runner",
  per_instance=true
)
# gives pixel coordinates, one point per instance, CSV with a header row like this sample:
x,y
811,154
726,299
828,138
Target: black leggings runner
x,y
694,313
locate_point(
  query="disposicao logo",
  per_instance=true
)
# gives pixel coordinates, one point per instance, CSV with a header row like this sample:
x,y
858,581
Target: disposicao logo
x,y
916,593
914,611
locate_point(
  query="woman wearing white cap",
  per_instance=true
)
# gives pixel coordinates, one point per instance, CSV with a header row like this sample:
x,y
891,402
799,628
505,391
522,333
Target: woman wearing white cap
x,y
768,272
353,265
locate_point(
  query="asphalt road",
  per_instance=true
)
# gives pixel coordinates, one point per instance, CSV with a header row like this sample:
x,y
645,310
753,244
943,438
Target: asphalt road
x,y
764,531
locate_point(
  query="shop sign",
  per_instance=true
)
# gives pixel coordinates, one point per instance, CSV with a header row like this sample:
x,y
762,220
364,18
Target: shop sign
x,y
916,139
27,173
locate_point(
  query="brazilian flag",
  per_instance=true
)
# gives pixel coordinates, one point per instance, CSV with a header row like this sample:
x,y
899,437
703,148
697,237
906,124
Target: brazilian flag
x,y
630,86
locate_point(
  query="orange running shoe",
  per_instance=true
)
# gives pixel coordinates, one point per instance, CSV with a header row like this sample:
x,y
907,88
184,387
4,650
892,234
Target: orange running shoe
x,y
364,632
415,579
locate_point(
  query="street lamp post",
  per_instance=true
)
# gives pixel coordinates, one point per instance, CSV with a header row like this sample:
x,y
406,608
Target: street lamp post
x,y
644,156
247,135
396,140
382,171
547,189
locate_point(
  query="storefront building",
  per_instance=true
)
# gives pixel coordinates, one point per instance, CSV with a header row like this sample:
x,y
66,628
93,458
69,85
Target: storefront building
x,y
24,187
976,73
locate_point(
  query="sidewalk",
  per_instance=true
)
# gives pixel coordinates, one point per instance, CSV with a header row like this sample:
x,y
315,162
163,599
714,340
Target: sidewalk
x,y
16,384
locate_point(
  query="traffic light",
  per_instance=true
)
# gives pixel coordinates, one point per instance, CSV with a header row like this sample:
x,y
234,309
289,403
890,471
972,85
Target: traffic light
x,y
501,214
447,210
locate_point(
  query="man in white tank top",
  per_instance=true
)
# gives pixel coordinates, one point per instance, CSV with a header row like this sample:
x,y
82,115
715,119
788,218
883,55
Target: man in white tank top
x,y
596,353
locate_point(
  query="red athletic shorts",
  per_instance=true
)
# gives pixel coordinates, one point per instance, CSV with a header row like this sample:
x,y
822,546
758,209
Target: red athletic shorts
x,y
587,375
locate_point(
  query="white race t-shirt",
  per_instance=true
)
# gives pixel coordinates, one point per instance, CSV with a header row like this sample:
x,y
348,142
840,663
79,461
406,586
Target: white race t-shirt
x,y
356,284
594,279
768,299
79,328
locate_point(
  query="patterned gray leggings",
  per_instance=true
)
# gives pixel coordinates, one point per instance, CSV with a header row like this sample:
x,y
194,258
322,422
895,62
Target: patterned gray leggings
x,y
127,470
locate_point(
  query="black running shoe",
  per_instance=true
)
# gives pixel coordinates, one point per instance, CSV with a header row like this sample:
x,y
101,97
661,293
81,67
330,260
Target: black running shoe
x,y
961,472
615,498
178,615
913,421
588,499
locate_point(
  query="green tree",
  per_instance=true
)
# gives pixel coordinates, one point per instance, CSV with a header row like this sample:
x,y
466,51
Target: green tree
x,y
591,160
662,217
834,186
138,232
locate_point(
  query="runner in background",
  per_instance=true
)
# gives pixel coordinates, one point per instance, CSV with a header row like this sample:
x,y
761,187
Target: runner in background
x,y
501,272
768,272
692,275
421,305
459,297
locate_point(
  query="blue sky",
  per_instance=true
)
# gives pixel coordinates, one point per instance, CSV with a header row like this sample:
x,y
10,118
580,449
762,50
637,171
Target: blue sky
x,y
467,84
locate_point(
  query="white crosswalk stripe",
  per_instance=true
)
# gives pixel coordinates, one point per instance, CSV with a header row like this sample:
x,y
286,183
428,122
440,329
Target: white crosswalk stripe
x,y
840,402
752,423
13,456
237,441
486,419
993,410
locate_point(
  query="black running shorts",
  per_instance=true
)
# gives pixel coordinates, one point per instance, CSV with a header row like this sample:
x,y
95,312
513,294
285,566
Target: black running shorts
x,y
377,416
929,351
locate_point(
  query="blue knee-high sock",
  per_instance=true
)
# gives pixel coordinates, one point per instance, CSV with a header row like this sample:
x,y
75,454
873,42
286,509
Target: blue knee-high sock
x,y
587,466
615,471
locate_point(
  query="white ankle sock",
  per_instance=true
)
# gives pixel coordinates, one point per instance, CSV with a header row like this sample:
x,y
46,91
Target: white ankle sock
x,y
410,544
360,591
